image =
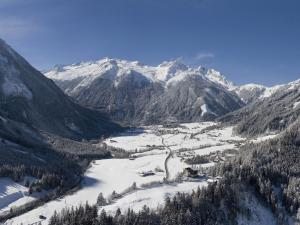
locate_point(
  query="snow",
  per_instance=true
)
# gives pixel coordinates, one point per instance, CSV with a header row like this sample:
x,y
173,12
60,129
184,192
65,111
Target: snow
x,y
104,176
155,144
212,149
264,138
149,138
204,109
262,91
270,91
176,166
107,68
294,84
197,126
218,78
153,197
267,91
296,104
13,86
132,141
168,72
14,194
252,86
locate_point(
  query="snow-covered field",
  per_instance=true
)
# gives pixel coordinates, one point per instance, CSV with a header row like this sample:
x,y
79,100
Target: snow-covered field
x,y
157,149
14,194
152,197
104,176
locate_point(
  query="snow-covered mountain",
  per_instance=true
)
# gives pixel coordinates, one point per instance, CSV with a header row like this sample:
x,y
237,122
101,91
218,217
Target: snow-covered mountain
x,y
131,91
85,73
253,92
277,109
28,97
76,77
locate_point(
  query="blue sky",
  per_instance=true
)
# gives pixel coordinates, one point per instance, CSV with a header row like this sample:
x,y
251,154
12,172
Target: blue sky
x,y
247,40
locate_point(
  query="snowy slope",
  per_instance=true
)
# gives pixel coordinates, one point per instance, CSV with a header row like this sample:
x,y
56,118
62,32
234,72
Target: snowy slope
x,y
14,194
153,197
252,92
220,79
12,85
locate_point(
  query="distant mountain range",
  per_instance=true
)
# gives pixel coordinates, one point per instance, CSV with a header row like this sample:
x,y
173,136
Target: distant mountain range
x,y
139,94
134,93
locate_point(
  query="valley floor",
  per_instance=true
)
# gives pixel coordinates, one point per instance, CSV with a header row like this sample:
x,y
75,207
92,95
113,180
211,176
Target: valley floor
x,y
157,162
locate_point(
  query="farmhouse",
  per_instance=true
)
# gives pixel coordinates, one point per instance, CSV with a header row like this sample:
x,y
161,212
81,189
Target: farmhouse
x,y
189,172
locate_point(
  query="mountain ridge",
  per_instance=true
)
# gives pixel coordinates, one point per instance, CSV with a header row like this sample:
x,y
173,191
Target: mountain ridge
x,y
169,90
166,72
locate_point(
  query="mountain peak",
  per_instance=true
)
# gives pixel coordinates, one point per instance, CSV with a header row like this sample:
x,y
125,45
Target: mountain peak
x,y
220,79
168,69
173,65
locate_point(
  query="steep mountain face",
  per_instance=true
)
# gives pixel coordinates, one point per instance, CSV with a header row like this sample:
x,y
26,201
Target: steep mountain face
x,y
27,97
272,114
192,99
135,93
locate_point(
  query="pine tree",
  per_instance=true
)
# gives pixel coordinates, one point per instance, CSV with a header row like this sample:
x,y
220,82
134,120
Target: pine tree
x,y
101,201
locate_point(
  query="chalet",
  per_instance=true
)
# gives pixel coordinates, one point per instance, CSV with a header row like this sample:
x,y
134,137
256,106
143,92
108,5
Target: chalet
x,y
189,172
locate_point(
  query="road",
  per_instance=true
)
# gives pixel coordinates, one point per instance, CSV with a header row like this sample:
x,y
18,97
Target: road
x,y
167,159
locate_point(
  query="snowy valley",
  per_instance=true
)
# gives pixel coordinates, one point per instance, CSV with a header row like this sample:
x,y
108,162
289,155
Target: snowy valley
x,y
163,141
156,168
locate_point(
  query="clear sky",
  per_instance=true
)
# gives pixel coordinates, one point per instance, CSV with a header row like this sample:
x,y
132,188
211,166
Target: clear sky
x,y
247,40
